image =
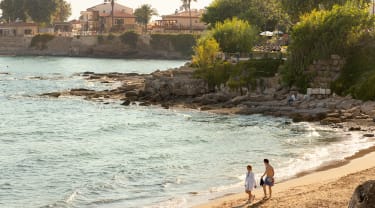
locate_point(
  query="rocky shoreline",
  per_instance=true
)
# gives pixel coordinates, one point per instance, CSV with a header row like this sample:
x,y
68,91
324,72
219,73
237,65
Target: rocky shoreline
x,y
180,88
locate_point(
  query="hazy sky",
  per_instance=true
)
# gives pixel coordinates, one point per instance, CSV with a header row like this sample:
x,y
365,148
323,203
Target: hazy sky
x,y
163,6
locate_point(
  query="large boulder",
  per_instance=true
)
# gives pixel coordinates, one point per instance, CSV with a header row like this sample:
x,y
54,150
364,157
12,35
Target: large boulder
x,y
368,108
213,98
180,83
330,120
364,196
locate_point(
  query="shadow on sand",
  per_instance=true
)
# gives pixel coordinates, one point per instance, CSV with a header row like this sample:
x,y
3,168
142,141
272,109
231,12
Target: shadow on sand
x,y
254,205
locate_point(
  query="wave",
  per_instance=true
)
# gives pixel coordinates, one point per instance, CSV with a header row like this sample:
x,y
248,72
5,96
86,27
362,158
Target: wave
x,y
176,202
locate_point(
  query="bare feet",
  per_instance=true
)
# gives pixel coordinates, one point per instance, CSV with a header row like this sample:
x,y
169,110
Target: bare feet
x,y
253,198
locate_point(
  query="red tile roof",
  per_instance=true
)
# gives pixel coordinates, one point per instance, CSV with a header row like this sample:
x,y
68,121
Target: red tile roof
x,y
118,14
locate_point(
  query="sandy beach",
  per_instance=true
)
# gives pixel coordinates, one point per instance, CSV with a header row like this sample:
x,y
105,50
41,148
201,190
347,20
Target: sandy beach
x,y
329,186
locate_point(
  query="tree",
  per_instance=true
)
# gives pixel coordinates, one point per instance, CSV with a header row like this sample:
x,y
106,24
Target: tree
x,y
63,11
265,14
40,11
186,4
296,8
13,9
234,35
143,14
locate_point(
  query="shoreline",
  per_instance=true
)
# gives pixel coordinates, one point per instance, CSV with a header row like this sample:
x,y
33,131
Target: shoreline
x,y
179,89
95,57
324,174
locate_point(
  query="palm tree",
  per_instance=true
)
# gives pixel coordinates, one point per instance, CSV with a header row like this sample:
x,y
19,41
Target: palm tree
x,y
144,13
113,11
186,4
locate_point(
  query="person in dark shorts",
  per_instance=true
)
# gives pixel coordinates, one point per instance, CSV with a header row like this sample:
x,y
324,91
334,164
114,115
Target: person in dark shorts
x,y
269,180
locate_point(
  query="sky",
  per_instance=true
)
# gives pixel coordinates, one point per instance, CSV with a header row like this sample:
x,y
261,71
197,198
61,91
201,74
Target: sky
x,y
162,6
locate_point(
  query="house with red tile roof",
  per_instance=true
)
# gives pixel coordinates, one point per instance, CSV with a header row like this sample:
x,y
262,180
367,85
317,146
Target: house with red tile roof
x,y
101,18
180,21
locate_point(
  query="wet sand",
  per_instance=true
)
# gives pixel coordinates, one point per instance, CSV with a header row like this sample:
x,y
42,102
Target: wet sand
x,y
329,186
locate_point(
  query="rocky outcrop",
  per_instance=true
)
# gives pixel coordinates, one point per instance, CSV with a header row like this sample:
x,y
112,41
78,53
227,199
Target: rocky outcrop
x,y
364,196
179,87
165,85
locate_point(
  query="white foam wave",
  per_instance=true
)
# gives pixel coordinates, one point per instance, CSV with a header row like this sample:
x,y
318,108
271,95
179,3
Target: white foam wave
x,y
312,158
176,202
69,199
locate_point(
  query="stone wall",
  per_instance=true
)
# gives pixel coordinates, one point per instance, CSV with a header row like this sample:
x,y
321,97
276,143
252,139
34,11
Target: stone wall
x,y
87,47
325,71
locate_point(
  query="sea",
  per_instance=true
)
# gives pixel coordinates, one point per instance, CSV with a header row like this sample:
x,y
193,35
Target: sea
x,y
71,153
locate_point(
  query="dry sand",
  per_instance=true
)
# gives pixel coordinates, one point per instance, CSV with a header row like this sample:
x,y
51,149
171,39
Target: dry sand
x,y
331,186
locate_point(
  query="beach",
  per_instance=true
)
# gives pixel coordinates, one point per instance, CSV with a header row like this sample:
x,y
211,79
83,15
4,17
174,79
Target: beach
x,y
330,186
178,130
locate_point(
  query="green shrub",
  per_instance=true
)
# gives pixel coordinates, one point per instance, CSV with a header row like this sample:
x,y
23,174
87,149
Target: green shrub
x,y
263,67
182,43
322,33
242,76
237,76
100,39
216,75
110,37
358,71
130,38
365,90
205,52
40,41
234,35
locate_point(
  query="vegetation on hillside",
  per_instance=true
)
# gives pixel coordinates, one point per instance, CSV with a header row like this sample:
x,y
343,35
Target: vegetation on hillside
x,y
357,78
264,14
318,29
322,33
297,8
129,38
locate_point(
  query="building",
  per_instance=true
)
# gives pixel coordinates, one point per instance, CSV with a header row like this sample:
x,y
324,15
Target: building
x,y
62,28
18,29
98,19
76,27
180,21
89,22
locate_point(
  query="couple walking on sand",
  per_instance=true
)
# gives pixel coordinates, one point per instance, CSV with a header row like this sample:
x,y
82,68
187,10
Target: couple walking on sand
x,y
250,182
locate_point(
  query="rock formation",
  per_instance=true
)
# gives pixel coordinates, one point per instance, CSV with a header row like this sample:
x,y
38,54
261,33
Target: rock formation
x,y
364,196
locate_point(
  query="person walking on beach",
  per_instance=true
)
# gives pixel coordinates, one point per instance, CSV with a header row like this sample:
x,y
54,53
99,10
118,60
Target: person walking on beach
x,y
269,181
250,183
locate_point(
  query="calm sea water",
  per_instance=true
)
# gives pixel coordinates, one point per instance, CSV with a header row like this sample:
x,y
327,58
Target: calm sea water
x,y
68,152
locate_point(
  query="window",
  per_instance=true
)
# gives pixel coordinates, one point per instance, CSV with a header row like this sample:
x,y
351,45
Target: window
x,y
119,22
28,32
